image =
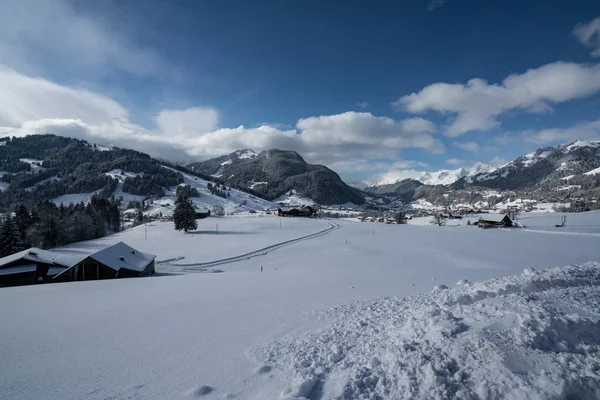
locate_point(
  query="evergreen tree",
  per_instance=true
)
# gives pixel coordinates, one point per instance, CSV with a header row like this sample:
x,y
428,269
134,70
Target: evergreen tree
x,y
184,215
10,238
23,220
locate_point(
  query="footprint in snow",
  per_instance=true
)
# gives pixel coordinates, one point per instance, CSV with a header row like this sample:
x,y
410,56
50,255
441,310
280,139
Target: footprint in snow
x,y
263,369
199,391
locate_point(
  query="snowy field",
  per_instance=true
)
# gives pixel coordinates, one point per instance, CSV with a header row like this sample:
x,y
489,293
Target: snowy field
x,y
358,312
216,238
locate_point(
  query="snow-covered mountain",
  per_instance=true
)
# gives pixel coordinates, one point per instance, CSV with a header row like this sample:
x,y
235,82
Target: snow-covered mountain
x,y
275,173
441,177
447,177
574,162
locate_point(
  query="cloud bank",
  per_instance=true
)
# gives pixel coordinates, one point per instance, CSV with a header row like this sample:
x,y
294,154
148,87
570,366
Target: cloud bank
x,y
31,105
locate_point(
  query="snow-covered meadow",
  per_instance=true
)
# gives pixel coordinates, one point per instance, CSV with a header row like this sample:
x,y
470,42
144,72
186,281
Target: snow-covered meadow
x,y
353,311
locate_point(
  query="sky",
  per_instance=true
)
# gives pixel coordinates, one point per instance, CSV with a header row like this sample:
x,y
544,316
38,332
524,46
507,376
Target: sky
x,y
377,91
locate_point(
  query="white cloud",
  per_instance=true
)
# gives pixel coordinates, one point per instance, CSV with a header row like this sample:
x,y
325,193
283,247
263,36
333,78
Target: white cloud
x,y
394,176
589,35
349,166
497,161
35,34
364,104
477,104
35,105
363,135
468,146
188,122
455,161
433,4
583,130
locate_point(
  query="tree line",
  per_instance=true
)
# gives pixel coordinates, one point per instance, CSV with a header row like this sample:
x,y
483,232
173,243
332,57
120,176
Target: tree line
x,y
47,225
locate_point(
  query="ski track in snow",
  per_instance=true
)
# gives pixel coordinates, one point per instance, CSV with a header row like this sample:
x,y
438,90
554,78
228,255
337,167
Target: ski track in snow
x,y
195,267
513,337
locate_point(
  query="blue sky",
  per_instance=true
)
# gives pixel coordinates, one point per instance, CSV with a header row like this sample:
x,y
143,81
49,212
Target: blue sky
x,y
375,90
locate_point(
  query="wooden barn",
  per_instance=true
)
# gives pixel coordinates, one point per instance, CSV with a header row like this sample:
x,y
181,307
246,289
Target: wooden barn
x,y
32,266
494,221
64,265
116,261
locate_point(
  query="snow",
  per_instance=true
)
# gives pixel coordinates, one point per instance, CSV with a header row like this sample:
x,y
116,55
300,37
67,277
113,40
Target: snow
x,y
445,176
121,255
566,178
569,187
74,198
593,172
228,162
293,199
247,154
347,313
255,184
582,143
35,168
237,202
577,223
204,245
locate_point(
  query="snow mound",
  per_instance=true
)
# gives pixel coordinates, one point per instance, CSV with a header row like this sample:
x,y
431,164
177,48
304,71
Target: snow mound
x,y
534,335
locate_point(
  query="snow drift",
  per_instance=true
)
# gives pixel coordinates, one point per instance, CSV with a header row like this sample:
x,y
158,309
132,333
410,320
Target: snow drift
x,y
529,336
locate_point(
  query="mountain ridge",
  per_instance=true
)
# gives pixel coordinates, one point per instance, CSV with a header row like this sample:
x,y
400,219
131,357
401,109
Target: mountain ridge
x,y
273,173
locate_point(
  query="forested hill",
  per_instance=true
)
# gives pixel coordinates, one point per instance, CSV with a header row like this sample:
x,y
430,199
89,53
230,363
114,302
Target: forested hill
x,y
42,167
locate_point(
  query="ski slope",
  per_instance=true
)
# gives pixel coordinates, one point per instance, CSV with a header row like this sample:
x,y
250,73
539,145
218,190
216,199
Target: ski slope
x,y
237,201
351,313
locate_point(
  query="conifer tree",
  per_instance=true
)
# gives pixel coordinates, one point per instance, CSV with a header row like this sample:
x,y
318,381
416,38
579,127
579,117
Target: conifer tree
x,y
184,215
10,238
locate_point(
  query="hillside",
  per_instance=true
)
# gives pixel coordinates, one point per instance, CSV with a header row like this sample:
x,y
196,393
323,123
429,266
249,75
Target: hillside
x,y
563,165
65,170
567,173
276,173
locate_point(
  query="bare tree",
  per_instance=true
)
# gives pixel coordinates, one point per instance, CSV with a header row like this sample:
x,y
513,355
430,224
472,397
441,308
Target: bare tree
x,y
438,220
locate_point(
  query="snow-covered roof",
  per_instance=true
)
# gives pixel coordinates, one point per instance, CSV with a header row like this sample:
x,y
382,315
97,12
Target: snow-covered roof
x,y
493,217
116,257
42,256
18,269
121,255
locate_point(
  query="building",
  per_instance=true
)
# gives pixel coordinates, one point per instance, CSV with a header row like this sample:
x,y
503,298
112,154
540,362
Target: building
x,y
494,221
307,211
65,265
33,266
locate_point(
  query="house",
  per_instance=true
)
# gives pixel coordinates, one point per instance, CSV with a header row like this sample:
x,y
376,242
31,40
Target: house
x,y
64,265
201,214
494,221
33,266
307,211
116,261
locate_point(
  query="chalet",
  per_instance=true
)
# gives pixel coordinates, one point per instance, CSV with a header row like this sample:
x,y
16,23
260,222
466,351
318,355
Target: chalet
x,y
64,265
33,266
307,211
494,221
201,214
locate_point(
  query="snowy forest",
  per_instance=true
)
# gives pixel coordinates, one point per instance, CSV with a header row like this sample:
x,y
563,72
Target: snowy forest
x,y
46,225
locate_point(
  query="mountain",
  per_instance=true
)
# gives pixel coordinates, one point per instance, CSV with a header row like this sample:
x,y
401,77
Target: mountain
x,y
569,164
441,177
567,173
404,190
62,169
277,173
